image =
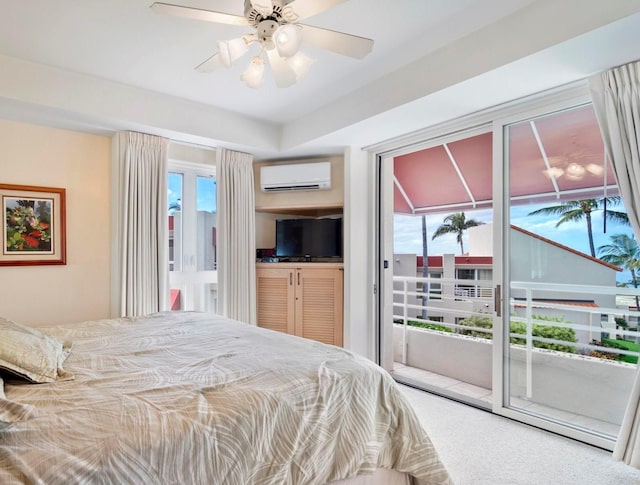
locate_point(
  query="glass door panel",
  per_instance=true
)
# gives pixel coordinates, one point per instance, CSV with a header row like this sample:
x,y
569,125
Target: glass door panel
x,y
174,194
570,359
207,217
192,238
443,268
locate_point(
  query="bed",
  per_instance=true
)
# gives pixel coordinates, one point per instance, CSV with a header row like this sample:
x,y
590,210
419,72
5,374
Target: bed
x,y
191,398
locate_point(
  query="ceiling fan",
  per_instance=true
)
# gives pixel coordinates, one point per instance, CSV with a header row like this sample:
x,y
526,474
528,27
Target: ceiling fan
x,y
279,35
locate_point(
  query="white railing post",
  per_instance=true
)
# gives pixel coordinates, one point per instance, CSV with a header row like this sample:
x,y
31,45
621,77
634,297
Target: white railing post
x,y
529,336
405,321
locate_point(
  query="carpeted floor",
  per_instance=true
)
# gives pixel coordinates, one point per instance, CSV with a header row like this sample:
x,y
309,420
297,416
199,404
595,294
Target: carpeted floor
x,y
480,448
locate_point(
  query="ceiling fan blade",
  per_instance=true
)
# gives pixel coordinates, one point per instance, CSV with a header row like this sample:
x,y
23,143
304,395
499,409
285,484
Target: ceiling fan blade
x,y
338,42
211,64
198,14
301,9
282,72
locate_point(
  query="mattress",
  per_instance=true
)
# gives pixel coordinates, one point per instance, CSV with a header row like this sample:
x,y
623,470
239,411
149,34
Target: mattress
x,y
191,398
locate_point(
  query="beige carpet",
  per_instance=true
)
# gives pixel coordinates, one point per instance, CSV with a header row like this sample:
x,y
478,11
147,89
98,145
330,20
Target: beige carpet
x,y
480,448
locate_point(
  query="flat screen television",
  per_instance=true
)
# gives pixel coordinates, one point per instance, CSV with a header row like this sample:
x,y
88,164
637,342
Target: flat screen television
x,y
315,238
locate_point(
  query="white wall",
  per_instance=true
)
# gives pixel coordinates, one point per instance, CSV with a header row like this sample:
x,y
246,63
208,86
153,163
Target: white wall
x,y
533,259
538,261
359,319
480,240
79,290
576,384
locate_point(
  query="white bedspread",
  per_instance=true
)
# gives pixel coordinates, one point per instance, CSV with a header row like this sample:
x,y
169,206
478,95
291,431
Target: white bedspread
x,y
189,398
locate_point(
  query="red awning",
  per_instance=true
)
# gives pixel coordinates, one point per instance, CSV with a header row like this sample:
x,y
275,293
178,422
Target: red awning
x,y
557,157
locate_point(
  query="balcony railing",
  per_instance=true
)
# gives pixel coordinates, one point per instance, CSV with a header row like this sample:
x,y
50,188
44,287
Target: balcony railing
x,y
537,314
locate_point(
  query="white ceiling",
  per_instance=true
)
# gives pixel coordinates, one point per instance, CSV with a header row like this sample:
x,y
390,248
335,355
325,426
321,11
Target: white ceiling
x,y
104,65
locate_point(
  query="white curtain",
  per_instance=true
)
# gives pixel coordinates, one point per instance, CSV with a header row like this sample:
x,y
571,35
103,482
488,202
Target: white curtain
x,y
237,241
616,99
141,223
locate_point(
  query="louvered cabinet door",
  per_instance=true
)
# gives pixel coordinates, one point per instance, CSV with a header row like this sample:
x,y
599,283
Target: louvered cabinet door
x,y
319,297
275,298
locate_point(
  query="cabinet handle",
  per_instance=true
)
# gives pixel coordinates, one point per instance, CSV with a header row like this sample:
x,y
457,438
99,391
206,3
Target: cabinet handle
x,y
290,279
298,278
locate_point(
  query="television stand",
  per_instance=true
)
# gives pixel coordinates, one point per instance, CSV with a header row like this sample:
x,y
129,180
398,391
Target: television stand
x,y
303,299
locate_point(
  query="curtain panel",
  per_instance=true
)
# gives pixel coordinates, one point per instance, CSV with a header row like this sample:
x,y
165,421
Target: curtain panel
x,y
141,223
236,231
616,99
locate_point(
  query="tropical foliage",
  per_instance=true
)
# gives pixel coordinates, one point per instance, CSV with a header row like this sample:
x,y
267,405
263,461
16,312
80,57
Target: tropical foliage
x,y
28,226
579,210
520,328
455,223
623,251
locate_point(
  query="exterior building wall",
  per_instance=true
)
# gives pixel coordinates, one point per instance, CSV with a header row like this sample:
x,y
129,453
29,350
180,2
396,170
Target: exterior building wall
x,y
532,259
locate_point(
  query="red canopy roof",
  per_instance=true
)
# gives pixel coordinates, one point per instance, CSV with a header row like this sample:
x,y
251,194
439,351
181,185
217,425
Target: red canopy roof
x,y
557,157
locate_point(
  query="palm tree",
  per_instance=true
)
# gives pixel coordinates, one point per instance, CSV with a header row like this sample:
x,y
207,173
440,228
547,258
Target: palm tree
x,y
175,206
624,252
455,223
577,210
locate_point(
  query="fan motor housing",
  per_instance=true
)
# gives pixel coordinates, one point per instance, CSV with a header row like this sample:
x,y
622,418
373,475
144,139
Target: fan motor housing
x,y
255,18
265,29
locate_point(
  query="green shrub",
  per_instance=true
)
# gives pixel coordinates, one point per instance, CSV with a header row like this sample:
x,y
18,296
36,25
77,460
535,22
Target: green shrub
x,y
623,345
538,330
429,326
480,321
545,331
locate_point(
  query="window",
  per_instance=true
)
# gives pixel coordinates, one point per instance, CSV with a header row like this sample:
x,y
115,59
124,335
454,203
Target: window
x,y
193,255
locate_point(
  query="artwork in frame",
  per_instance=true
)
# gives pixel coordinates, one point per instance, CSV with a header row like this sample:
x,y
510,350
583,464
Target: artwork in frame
x,y
33,228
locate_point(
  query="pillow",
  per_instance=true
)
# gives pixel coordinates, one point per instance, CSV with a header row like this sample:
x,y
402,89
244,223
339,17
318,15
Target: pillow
x,y
31,354
11,412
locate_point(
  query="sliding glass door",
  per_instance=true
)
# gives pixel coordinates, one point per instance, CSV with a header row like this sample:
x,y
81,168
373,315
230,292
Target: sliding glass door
x,y
570,322
509,275
441,265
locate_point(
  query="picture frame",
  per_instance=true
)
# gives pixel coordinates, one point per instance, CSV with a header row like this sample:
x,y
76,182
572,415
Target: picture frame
x,y
33,225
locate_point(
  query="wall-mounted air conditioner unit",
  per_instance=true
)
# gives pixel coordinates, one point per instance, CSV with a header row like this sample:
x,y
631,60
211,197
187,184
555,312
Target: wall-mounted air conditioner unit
x,y
295,176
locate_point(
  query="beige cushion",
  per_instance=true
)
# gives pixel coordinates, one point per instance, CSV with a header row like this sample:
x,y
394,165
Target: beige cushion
x,y
31,354
10,411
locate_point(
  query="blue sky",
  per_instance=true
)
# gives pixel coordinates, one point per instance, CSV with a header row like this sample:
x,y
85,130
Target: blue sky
x,y
408,231
206,191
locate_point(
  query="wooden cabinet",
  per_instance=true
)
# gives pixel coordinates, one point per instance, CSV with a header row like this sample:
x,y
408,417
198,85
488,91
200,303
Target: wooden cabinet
x,y
303,299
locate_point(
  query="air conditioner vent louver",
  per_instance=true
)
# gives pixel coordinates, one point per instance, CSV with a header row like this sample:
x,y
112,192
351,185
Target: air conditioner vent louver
x,y
295,176
286,188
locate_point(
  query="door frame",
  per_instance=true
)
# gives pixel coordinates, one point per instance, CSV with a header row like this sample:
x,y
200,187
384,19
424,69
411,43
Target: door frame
x,y
497,117
502,247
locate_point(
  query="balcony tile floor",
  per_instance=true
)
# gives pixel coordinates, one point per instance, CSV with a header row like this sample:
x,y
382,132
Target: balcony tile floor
x,y
481,397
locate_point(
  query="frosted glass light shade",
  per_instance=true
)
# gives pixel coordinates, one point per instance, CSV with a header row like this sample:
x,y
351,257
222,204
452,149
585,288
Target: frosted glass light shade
x,y
300,63
554,172
287,39
595,169
575,171
254,73
230,50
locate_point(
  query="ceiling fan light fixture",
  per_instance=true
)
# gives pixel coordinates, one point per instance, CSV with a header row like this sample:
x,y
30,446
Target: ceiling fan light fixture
x,y
595,169
300,64
575,171
254,73
230,50
287,39
554,172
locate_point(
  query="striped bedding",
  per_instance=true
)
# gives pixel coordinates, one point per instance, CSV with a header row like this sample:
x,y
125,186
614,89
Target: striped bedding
x,y
190,398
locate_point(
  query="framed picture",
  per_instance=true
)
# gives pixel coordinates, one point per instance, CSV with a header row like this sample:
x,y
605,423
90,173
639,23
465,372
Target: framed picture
x,y
33,229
